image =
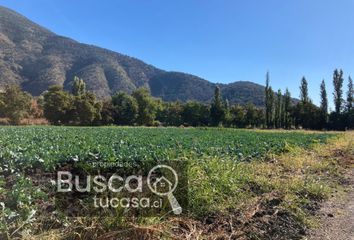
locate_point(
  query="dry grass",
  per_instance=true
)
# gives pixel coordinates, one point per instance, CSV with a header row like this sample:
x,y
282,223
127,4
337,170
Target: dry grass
x,y
34,121
294,183
26,121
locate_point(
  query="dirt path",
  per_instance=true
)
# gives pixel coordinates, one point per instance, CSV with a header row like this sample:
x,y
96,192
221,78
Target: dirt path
x,y
337,216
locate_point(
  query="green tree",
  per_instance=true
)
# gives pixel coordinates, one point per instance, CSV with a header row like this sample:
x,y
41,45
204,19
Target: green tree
x,y
228,117
278,110
171,114
324,104
147,107
2,105
338,92
271,109
304,92
337,121
307,115
350,119
269,103
350,95
16,104
324,99
287,109
196,114
237,113
217,109
260,117
57,105
107,113
87,110
125,109
79,87
251,114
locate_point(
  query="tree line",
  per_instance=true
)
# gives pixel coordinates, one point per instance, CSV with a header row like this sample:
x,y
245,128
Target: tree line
x,y
280,112
80,107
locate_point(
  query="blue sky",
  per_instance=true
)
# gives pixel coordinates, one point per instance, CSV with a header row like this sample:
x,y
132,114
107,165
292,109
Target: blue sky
x,y
221,41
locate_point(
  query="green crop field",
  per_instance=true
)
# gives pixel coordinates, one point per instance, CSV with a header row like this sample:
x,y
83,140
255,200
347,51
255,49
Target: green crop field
x,y
45,147
226,168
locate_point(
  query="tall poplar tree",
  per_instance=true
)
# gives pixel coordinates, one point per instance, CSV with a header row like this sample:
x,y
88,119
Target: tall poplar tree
x,y
269,102
304,92
217,109
324,99
350,95
324,104
271,107
338,91
278,110
287,109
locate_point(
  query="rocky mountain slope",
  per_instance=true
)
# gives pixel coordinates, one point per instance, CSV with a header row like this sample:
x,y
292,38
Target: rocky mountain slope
x,y
36,58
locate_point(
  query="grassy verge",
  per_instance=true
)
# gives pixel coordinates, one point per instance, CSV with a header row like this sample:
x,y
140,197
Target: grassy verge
x,y
275,198
272,199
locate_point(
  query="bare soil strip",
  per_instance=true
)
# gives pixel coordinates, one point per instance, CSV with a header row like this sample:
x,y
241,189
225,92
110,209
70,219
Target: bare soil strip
x,y
337,216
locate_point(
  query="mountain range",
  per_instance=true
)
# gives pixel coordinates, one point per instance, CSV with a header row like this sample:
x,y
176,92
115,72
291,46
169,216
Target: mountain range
x,y
36,58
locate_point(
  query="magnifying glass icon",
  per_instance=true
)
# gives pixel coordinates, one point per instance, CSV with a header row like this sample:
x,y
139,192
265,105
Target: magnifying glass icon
x,y
176,208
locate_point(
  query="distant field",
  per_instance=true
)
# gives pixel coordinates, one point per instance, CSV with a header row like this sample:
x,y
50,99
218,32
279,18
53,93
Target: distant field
x,y
22,147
